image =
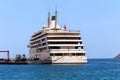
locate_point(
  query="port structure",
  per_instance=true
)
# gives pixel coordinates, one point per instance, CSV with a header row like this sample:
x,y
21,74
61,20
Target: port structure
x,y
7,51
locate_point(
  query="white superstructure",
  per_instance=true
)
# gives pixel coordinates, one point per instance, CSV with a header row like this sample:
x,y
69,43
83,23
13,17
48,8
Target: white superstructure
x,y
54,44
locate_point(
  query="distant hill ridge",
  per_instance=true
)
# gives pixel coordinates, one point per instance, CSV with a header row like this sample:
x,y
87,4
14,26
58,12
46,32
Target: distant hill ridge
x,y
117,57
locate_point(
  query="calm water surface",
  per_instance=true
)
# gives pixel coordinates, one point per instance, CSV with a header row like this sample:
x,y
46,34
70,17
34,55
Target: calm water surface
x,y
96,69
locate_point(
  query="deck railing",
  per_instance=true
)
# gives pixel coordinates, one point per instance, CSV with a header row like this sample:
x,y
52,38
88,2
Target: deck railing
x,y
67,50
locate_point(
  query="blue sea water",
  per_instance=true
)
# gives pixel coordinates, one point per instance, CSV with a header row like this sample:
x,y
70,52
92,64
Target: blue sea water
x,y
96,69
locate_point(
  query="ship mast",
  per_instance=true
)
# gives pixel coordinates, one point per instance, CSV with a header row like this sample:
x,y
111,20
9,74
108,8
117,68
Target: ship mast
x,y
55,19
49,19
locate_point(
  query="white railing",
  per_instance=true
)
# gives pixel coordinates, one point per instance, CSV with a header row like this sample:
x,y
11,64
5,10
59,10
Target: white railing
x,y
38,39
63,36
63,31
38,35
67,50
64,40
63,45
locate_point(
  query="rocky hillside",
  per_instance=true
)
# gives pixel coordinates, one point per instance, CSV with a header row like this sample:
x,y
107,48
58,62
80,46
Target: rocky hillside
x,y
117,57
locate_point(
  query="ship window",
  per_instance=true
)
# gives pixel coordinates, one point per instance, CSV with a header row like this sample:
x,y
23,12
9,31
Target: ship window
x,y
51,54
44,48
80,42
81,47
54,47
59,54
76,47
79,38
72,54
44,44
79,54
66,54
43,39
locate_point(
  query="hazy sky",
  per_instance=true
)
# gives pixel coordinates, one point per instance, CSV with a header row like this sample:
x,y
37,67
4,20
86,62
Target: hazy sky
x,y
98,21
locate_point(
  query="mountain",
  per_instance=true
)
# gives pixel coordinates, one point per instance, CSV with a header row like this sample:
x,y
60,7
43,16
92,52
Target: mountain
x,y
117,57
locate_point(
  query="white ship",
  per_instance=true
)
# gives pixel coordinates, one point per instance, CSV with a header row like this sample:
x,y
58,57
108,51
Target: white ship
x,y
55,44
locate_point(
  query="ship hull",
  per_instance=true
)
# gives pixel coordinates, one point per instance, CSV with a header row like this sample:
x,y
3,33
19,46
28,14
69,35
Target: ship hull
x,y
66,57
65,60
